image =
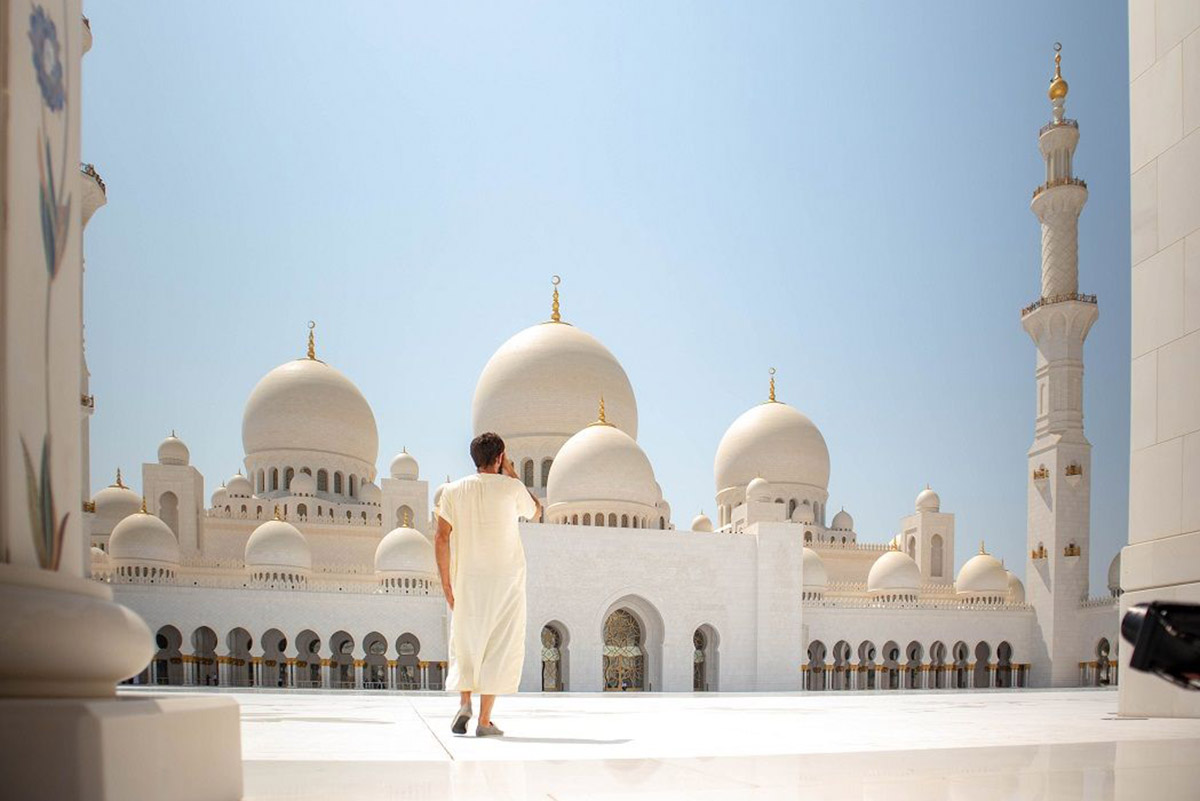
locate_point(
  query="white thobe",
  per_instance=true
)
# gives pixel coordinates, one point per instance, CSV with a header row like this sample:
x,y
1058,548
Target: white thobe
x,y
487,576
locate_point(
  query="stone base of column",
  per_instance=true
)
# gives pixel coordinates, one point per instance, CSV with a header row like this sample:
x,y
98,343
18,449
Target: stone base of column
x,y
124,748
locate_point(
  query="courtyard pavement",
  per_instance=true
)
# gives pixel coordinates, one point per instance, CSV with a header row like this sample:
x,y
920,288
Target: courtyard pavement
x,y
928,745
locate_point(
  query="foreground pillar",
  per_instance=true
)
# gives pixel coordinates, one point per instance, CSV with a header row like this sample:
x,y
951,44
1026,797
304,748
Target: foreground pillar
x,y
64,643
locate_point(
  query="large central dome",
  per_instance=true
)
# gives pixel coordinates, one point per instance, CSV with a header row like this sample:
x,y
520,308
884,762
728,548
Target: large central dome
x,y
306,405
774,441
545,382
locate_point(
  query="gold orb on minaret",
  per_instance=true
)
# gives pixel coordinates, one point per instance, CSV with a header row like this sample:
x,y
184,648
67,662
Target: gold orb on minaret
x,y
1058,87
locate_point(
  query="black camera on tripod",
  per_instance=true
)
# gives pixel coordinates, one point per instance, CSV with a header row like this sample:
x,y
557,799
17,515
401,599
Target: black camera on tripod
x,y
1166,641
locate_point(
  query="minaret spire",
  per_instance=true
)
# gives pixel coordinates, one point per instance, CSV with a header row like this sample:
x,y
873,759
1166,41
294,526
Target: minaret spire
x,y
771,392
555,317
312,345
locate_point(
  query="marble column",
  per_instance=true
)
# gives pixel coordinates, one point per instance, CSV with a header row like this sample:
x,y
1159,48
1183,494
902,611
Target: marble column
x,y
64,642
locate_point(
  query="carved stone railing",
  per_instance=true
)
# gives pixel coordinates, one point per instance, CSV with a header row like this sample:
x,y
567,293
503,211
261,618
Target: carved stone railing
x,y
1040,302
90,171
1069,181
1059,124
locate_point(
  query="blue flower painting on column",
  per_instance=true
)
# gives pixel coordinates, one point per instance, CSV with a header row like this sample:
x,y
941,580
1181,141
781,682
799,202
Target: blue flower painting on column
x,y
55,212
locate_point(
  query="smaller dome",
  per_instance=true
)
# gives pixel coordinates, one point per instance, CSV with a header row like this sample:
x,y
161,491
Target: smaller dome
x,y
370,493
172,451
702,522
405,550
143,537
815,577
405,467
759,489
303,484
98,555
928,500
116,502
1016,590
1114,575
220,496
277,543
982,573
804,514
239,486
842,521
894,571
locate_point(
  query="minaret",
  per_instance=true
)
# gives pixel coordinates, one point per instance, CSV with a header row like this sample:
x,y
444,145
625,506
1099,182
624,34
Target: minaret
x,y
1059,474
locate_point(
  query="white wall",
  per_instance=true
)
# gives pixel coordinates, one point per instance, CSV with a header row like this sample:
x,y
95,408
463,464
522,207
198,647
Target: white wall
x,y
1162,560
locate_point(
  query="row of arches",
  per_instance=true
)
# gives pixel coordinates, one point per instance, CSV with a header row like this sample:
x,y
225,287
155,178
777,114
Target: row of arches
x,y
336,662
1101,671
299,512
895,668
613,520
631,654
276,479
527,473
725,510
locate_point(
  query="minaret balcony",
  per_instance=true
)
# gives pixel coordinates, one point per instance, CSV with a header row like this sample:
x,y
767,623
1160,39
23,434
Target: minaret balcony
x,y
95,194
1070,296
1069,181
1058,124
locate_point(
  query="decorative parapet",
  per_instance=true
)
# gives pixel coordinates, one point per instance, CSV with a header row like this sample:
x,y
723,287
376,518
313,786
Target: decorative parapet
x,y
1074,469
90,171
1040,302
1038,552
1099,602
1063,123
1041,474
1067,181
1071,550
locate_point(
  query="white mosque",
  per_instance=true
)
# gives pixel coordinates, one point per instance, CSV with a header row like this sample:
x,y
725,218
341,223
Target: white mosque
x,y
306,569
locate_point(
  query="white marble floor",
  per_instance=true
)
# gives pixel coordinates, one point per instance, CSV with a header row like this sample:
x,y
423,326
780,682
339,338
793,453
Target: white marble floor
x,y
931,746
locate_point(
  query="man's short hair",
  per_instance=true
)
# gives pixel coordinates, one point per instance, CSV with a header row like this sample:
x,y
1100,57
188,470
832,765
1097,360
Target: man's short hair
x,y
486,449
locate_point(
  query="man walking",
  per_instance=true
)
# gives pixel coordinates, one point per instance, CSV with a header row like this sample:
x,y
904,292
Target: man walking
x,y
482,565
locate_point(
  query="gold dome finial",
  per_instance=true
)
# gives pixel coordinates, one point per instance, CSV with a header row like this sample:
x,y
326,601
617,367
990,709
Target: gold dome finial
x,y
406,522
277,517
895,546
1058,87
772,393
554,315
144,505
312,345
119,482
982,549
601,418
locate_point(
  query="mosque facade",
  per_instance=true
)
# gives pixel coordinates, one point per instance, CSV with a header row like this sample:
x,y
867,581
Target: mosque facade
x,y
307,569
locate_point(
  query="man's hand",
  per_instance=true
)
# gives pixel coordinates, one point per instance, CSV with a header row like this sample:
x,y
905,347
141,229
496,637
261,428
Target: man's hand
x,y
507,467
441,551
449,593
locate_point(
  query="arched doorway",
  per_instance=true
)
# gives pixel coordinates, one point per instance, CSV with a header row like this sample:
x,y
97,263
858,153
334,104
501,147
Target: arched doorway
x,y
1004,671
983,652
342,673
273,668
961,654
168,511
167,666
408,664
624,654
891,666
1103,669
241,671
839,678
204,657
814,679
912,667
937,665
866,665
554,674
307,670
705,669
375,666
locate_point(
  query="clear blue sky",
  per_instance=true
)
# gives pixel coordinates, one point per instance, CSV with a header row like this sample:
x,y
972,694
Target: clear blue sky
x,y
839,190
